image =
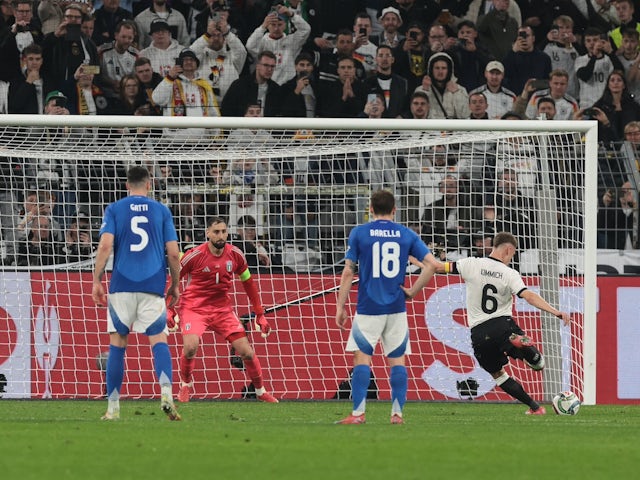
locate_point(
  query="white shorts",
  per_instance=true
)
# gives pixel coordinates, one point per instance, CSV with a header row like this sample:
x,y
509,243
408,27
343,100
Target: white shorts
x,y
135,311
391,329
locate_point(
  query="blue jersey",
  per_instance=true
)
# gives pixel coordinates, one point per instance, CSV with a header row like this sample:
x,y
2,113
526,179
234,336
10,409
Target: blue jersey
x,y
381,249
141,227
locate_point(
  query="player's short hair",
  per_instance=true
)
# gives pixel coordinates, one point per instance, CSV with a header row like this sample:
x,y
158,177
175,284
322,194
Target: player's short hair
x,y
137,175
213,220
504,237
382,202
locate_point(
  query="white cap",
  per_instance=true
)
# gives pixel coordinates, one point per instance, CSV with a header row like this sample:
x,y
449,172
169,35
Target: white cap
x,y
390,10
494,65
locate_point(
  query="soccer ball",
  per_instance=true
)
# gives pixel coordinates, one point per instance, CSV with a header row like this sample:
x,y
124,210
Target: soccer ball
x,y
566,403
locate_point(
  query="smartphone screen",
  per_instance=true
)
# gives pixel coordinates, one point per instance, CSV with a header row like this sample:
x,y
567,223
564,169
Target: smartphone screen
x,y
371,98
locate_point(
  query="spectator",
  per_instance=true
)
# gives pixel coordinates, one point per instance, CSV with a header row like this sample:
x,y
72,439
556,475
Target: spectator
x,y
629,57
391,86
344,98
84,96
499,99
67,48
327,61
625,10
27,91
439,39
129,97
41,248
617,221
249,171
246,240
79,241
482,243
616,108
630,149
546,109
26,28
364,50
241,23
525,61
497,29
418,106
107,19
285,47
514,211
149,80
479,8
540,15
242,204
478,106
561,49
469,56
391,22
447,221
255,88
51,13
565,105
412,56
593,68
300,93
447,99
117,58
190,219
88,26
222,56
183,93
174,18
424,12
163,50
333,16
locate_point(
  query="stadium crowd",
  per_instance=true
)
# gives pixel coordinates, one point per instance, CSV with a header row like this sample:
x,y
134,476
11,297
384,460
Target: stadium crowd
x,y
451,59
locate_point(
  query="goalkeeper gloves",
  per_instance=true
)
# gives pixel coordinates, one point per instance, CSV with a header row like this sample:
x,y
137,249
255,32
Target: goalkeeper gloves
x,y
262,325
172,319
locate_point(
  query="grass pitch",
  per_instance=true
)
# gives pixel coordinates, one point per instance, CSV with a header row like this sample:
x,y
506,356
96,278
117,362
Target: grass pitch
x,y
298,440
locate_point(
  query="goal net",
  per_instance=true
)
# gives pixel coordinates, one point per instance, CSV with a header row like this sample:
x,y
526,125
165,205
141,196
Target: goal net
x,y
291,190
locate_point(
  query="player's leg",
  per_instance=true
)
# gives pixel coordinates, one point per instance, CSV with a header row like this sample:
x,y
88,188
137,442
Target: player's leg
x,y
488,342
521,347
244,350
192,326
154,326
120,315
115,374
365,334
395,342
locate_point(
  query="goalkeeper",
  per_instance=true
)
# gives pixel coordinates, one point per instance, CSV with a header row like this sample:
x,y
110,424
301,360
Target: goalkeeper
x,y
205,304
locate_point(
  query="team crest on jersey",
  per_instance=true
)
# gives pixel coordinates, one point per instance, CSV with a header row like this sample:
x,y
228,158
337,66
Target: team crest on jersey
x,y
187,327
229,266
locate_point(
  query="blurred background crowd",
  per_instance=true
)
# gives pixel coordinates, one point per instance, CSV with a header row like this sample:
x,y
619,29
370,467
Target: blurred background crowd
x,y
413,59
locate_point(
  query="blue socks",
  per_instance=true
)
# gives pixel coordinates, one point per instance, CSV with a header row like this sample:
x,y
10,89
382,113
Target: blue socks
x,y
359,385
115,371
399,381
162,363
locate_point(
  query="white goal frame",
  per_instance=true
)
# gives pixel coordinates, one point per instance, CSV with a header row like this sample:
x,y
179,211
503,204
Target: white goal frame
x,y
586,128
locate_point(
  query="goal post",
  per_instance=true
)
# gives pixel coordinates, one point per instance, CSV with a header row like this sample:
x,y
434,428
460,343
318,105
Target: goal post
x,y
302,184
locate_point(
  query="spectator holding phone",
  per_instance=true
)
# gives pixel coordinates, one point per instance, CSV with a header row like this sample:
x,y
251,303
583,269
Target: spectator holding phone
x,y
561,48
222,56
469,56
412,56
391,86
270,36
67,48
555,88
525,61
300,92
593,68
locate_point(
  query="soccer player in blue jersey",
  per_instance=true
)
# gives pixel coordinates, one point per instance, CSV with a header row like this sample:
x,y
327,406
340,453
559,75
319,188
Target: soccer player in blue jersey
x,y
381,250
141,233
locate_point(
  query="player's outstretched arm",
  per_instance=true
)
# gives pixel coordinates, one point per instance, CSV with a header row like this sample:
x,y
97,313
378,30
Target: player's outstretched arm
x,y
346,280
429,259
537,301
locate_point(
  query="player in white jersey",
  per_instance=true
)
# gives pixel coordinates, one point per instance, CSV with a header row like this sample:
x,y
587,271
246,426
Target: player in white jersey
x,y
380,250
495,336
